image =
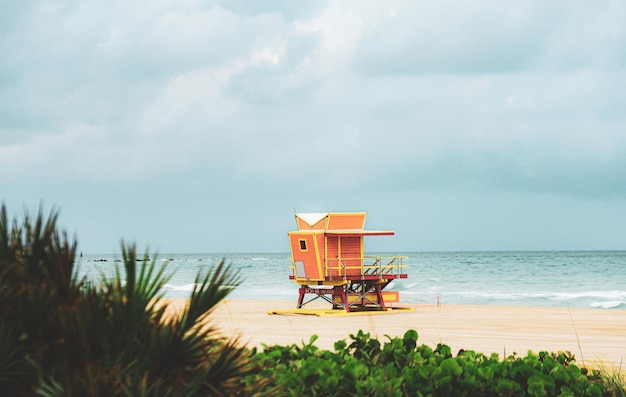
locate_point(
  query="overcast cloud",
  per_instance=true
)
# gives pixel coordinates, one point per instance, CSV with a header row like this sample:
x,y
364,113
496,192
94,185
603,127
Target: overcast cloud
x,y
199,126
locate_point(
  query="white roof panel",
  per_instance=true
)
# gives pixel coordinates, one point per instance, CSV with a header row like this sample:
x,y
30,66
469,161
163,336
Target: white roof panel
x,y
311,218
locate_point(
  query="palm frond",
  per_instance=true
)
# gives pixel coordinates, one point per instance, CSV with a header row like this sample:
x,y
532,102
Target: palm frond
x,y
208,292
62,335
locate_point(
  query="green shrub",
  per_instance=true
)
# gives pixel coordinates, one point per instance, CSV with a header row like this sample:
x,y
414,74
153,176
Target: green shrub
x,y
401,367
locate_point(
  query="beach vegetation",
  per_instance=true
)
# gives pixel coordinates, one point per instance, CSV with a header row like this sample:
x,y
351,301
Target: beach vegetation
x,y
61,335
615,379
364,366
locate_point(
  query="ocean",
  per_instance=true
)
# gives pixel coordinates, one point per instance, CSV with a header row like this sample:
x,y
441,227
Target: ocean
x,y
581,279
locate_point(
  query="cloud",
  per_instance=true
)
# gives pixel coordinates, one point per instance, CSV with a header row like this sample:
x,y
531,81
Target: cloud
x,y
315,103
448,38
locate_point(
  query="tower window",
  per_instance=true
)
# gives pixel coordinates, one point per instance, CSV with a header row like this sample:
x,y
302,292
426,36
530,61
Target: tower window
x,y
302,245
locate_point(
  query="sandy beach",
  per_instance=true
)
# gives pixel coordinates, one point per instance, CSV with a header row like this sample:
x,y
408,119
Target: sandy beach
x,y
597,337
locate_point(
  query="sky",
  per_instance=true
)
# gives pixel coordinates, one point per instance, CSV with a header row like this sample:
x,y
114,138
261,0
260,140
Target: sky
x,y
203,126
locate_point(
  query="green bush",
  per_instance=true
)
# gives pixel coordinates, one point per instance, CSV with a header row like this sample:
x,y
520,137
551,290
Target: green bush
x,y
401,367
64,336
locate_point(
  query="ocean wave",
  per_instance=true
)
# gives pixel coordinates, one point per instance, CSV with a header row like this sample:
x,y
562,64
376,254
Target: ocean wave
x,y
589,294
188,287
492,295
560,296
263,294
607,304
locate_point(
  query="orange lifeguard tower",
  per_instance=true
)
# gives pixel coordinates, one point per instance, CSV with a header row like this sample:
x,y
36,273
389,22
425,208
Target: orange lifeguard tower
x,y
329,262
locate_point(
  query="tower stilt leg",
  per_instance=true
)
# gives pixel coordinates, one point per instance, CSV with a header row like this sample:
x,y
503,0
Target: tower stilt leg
x,y
381,300
301,297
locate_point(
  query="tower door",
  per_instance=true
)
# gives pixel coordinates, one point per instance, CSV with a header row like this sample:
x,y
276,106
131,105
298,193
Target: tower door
x,y
351,253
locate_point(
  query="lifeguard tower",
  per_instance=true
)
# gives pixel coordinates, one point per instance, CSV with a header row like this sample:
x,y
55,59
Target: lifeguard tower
x,y
329,262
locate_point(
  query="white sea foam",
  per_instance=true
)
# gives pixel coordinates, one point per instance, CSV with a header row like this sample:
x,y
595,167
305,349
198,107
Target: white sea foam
x,y
607,304
184,288
561,296
588,294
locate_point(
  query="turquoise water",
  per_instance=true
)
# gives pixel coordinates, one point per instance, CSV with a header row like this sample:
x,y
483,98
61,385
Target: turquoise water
x,y
585,279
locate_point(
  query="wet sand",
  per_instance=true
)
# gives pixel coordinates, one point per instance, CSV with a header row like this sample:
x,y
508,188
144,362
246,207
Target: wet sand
x,y
597,337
